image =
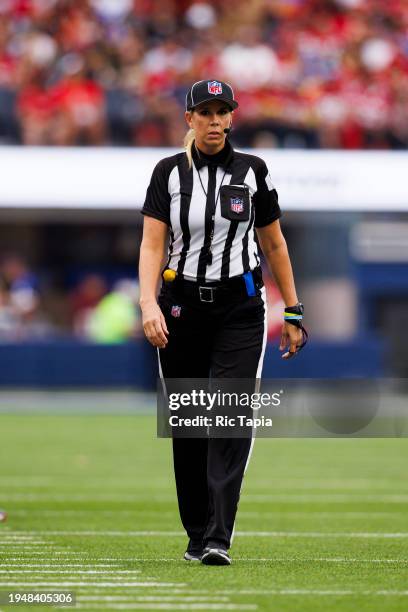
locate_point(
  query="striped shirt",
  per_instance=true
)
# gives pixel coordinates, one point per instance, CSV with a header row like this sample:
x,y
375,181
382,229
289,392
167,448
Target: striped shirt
x,y
212,209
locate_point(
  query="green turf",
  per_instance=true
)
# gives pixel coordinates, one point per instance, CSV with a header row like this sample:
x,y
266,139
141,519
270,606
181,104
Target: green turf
x,y
110,476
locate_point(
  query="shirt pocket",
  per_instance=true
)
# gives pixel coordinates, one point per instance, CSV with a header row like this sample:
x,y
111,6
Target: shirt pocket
x,y
235,202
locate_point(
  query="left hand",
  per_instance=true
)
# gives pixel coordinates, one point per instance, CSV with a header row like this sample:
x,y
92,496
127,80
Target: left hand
x,y
292,336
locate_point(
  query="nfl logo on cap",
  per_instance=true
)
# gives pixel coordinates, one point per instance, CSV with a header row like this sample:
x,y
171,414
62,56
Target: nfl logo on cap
x,y
215,88
237,205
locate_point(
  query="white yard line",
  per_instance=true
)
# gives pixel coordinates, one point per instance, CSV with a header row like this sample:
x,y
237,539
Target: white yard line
x,y
84,565
88,584
242,513
248,559
334,592
97,591
322,534
162,598
313,513
38,512
47,554
26,546
71,572
310,592
260,559
68,497
170,606
61,557
320,559
286,483
14,537
273,534
327,498
287,497
21,544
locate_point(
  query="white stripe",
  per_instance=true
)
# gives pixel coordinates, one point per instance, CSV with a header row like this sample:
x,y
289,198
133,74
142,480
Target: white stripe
x,y
91,512
287,496
20,546
85,565
276,534
346,514
71,497
221,228
17,537
196,220
236,266
250,180
96,584
71,572
327,499
158,598
310,592
161,375
237,591
169,606
57,554
258,376
350,482
261,359
320,534
192,90
65,557
16,543
174,191
320,560
31,549
44,547
335,483
246,559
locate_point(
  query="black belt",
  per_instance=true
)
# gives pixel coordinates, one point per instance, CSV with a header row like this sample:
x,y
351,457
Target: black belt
x,y
216,291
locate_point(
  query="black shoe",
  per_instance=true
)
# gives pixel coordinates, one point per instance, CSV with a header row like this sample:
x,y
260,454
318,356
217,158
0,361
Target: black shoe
x,y
215,556
194,550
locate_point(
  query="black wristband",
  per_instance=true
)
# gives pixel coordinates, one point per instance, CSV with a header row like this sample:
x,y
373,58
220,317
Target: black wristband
x,y
297,309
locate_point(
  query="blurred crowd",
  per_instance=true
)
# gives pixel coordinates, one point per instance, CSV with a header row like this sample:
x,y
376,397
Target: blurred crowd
x,y
91,310
307,73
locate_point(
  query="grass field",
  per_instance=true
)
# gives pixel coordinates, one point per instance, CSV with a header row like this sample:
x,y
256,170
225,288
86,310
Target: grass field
x,y
322,524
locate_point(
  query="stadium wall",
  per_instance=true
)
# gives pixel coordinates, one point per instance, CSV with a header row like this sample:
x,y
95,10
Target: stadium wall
x,y
134,364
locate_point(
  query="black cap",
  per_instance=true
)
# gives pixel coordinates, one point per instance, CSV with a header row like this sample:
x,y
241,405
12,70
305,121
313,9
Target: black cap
x,y
204,91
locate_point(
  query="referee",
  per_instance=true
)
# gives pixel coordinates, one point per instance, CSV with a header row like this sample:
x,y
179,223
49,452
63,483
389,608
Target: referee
x,y
210,317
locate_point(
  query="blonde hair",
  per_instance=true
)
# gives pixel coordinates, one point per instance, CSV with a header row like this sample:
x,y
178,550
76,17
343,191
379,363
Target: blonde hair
x,y
188,143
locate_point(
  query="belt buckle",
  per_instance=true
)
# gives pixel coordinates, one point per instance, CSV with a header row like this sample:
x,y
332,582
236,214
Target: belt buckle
x,y
202,294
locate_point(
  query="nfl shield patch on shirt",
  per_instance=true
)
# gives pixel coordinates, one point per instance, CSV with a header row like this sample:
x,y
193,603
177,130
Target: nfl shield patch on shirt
x,y
237,205
175,311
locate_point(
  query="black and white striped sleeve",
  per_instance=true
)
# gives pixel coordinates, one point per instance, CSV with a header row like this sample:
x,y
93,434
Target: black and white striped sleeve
x,y
267,207
157,202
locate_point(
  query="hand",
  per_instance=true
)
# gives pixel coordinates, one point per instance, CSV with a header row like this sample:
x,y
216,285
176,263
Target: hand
x,y
154,324
292,336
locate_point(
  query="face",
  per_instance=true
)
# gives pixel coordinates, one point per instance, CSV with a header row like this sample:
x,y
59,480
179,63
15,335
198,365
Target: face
x,y
209,120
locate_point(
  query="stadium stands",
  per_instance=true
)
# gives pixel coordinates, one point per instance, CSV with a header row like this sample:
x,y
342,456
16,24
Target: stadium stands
x,y
310,73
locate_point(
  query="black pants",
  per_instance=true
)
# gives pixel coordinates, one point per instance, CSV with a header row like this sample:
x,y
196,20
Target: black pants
x,y
224,339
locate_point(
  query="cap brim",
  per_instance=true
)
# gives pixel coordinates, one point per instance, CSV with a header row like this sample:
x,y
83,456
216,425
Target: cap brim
x,y
231,103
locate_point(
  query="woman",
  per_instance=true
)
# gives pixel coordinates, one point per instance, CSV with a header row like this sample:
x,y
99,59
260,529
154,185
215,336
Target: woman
x,y
210,316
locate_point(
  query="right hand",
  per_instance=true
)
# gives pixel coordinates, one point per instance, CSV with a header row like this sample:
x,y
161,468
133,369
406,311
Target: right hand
x,y
154,324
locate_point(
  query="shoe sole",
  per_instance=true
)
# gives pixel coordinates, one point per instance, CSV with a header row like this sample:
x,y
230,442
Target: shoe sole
x,y
214,557
189,557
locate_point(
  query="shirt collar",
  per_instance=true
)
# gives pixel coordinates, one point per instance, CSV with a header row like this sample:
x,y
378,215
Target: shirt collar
x,y
224,162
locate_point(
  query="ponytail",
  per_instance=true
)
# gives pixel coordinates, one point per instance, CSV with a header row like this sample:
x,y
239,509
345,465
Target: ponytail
x,y
188,143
